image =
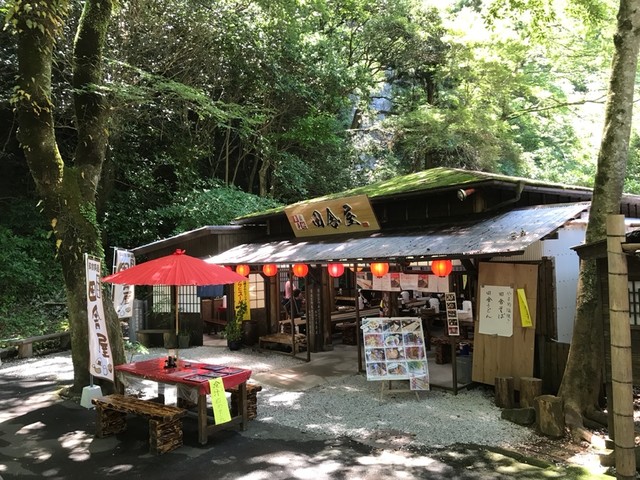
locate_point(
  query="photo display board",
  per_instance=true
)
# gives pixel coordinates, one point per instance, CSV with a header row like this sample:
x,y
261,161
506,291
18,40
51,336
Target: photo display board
x,y
394,350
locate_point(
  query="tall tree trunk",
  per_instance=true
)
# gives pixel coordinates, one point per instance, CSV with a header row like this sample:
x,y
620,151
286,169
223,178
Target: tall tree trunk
x,y
582,377
68,189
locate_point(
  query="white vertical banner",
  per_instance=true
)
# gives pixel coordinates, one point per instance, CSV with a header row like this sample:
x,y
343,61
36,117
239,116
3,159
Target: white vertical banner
x,y
122,295
100,359
496,310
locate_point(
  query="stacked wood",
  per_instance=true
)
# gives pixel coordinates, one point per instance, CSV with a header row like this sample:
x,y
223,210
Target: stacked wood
x,y
530,388
165,424
252,400
505,397
109,422
164,436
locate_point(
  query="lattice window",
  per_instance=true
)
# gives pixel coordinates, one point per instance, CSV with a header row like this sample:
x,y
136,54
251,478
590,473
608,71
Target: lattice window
x,y
256,291
188,300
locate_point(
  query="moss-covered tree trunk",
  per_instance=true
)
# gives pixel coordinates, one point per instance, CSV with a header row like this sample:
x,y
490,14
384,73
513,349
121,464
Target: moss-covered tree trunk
x,y
583,375
67,188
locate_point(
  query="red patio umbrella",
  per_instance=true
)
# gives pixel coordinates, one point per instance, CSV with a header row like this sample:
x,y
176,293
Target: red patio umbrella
x,y
177,269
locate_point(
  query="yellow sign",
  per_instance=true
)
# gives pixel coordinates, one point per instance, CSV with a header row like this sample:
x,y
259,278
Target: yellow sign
x,y
221,413
241,294
524,309
329,217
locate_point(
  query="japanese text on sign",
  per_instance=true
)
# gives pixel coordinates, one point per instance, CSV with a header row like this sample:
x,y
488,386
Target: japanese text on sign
x,y
496,310
350,214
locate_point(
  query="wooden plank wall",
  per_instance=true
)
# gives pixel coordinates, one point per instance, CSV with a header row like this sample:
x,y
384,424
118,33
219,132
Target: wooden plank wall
x,y
554,358
494,355
546,323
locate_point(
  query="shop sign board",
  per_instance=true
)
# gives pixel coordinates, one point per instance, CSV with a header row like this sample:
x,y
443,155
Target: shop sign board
x,y
330,217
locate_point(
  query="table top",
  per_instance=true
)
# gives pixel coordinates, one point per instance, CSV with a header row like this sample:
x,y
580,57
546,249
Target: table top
x,y
187,372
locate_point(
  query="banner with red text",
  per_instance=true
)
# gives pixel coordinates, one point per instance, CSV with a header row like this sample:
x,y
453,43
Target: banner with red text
x,y
100,359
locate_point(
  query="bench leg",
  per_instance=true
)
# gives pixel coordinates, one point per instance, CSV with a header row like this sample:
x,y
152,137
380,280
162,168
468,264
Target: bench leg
x,y
109,422
25,350
164,436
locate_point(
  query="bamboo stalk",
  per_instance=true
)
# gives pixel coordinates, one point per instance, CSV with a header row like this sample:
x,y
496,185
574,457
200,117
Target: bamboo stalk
x,y
621,364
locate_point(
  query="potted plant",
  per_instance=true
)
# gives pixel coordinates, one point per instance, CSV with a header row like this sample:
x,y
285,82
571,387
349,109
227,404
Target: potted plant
x,y
233,329
183,338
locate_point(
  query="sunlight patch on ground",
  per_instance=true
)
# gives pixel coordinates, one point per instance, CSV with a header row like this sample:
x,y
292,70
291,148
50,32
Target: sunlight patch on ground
x,y
31,428
117,469
286,398
396,458
39,455
589,461
283,459
77,443
258,475
326,468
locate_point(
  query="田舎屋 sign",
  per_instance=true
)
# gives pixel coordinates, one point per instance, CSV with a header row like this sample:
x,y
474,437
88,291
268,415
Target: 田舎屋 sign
x,y
327,217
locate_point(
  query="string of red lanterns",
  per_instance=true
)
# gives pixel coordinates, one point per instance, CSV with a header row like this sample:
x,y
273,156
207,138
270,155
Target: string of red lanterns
x,y
243,270
300,269
335,269
379,269
441,268
270,269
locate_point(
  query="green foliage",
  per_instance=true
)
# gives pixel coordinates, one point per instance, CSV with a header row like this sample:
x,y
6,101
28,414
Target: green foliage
x,y
135,348
632,181
233,328
30,279
138,216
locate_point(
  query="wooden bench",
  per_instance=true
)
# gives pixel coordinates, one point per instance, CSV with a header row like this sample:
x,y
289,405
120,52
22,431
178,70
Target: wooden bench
x,y
143,336
284,339
165,421
213,314
216,323
25,345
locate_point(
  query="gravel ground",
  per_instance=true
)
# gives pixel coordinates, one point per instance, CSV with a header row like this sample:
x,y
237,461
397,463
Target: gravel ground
x,y
344,406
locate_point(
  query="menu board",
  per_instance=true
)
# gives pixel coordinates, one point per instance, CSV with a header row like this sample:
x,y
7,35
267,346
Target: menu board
x,y
453,326
394,350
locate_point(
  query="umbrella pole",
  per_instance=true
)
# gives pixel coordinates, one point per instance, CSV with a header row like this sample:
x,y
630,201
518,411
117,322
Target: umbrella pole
x,y
177,325
175,287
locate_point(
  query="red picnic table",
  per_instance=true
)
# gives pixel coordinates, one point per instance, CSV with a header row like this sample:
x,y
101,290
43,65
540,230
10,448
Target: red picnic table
x,y
193,377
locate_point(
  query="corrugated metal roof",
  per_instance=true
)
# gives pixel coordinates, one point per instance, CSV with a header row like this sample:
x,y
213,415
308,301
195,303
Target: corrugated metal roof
x,y
506,233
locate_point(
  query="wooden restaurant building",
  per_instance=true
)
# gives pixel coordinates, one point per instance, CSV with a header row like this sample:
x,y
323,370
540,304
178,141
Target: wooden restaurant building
x,y
501,234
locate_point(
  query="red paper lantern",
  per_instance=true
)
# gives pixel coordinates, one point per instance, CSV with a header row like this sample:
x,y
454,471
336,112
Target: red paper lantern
x,y
335,269
441,268
243,270
356,269
300,269
379,269
270,269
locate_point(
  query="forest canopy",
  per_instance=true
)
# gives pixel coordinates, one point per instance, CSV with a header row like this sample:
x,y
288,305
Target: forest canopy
x,y
220,109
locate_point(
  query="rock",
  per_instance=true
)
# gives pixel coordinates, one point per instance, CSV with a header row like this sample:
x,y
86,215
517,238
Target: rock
x,y
521,416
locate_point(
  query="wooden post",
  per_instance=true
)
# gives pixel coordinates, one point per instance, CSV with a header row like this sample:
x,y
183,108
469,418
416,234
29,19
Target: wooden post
x,y
530,388
621,371
504,392
550,415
